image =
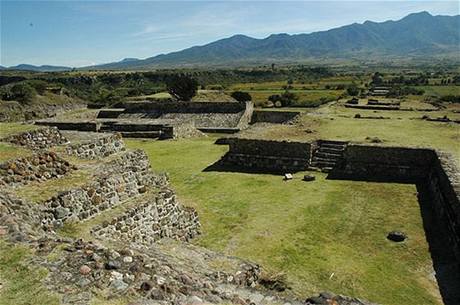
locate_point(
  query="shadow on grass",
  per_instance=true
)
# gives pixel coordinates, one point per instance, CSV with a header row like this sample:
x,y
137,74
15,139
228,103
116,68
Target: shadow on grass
x,y
220,166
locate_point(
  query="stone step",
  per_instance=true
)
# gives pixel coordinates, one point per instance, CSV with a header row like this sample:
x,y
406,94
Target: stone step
x,y
318,159
331,150
333,146
322,164
322,154
326,169
333,142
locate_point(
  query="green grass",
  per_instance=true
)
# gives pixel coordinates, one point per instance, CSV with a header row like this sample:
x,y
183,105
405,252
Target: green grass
x,y
7,129
325,235
22,284
440,90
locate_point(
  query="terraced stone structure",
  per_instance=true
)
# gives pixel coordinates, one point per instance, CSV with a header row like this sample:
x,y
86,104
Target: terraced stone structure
x,y
38,139
39,167
155,218
100,147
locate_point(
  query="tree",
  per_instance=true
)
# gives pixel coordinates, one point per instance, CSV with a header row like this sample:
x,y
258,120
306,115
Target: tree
x,y
353,90
241,96
23,92
377,79
285,99
182,87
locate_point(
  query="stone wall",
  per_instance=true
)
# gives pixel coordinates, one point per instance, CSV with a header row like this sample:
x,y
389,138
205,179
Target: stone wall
x,y
266,155
386,163
38,167
158,217
38,139
161,107
99,147
64,125
443,184
275,117
121,179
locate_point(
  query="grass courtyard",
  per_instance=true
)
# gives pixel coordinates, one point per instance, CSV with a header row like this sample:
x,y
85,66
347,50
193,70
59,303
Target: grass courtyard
x,y
323,235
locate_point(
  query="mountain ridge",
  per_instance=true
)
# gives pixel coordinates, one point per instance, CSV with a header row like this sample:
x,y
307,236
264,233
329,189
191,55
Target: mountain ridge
x,y
417,35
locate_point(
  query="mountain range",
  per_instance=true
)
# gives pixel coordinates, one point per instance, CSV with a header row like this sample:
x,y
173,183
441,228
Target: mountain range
x,y
418,35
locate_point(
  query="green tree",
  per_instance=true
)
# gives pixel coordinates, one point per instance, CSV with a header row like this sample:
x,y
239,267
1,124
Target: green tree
x,y
241,96
182,87
23,92
353,90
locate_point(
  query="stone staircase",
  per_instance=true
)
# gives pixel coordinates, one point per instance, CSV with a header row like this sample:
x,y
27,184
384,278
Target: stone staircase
x,y
327,155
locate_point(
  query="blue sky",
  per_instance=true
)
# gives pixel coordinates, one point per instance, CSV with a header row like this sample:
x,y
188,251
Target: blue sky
x,y
80,33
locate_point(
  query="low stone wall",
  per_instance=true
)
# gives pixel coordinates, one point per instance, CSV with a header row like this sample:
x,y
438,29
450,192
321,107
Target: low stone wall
x,y
386,163
160,216
161,107
38,139
80,126
99,147
275,117
38,167
265,155
121,179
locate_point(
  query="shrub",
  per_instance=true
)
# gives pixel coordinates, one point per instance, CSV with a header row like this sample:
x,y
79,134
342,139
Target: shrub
x,y
23,92
182,87
450,98
285,99
241,96
353,90
39,85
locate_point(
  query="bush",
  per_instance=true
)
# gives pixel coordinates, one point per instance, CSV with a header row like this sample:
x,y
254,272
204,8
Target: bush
x,y
23,92
450,98
182,87
241,96
353,90
285,99
39,85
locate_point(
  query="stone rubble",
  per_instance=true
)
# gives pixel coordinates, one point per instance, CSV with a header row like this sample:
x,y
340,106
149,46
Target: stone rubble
x,y
38,139
40,166
100,147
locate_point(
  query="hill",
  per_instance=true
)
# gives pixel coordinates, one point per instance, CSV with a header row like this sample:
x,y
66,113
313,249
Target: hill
x,y
417,35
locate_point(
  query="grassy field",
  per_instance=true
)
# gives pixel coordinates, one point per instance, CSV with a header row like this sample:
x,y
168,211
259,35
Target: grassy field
x,y
324,235
22,283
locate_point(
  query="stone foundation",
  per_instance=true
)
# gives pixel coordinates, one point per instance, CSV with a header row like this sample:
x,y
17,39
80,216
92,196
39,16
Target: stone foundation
x,y
265,155
159,216
274,117
38,167
100,147
120,180
38,139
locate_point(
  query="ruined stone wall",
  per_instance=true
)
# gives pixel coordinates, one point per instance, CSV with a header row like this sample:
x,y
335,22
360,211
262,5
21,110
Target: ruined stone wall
x,y
158,217
386,163
80,126
278,156
161,107
38,167
121,179
274,117
38,139
99,147
443,183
